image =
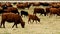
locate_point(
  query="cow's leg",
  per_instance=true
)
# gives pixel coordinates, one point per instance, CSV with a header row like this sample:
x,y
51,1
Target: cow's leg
x,y
33,21
44,14
28,20
13,25
16,25
36,21
50,15
1,24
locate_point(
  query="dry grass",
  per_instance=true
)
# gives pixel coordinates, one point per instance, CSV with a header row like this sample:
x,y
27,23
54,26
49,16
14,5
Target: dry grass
x,y
46,26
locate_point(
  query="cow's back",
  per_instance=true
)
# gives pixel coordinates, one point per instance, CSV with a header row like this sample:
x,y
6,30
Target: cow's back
x,y
10,17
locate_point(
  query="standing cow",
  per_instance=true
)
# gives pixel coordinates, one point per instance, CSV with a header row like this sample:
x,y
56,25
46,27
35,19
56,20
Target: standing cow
x,y
39,10
24,13
23,5
55,11
11,17
11,9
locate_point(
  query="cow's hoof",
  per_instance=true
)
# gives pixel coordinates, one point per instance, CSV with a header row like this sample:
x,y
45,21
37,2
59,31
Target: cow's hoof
x,y
23,27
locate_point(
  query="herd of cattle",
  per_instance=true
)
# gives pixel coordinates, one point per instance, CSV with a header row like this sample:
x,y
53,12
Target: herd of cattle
x,y
11,14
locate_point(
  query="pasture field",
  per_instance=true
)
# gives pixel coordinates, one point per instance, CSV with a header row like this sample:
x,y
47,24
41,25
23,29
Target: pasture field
x,y
46,26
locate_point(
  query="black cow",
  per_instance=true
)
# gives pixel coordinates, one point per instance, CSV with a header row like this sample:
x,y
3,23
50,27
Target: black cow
x,y
24,13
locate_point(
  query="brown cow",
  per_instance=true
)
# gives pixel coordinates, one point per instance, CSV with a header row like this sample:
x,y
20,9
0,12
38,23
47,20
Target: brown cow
x,y
8,4
54,5
11,17
54,11
11,9
39,10
36,4
23,5
20,6
33,17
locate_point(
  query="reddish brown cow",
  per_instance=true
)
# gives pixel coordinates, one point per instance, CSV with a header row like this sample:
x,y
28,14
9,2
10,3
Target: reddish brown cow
x,y
23,5
33,17
54,5
34,3
20,6
8,4
11,17
39,10
54,11
11,9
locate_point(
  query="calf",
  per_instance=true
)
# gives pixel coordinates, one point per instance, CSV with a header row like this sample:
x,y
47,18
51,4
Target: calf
x,y
11,17
33,17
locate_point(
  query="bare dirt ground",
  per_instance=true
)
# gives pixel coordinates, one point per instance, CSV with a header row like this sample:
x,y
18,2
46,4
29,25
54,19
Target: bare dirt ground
x,y
46,26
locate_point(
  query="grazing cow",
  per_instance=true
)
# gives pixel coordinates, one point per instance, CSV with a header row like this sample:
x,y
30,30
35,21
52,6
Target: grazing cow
x,y
24,13
11,17
33,17
20,6
54,11
6,5
39,10
23,5
11,9
54,5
